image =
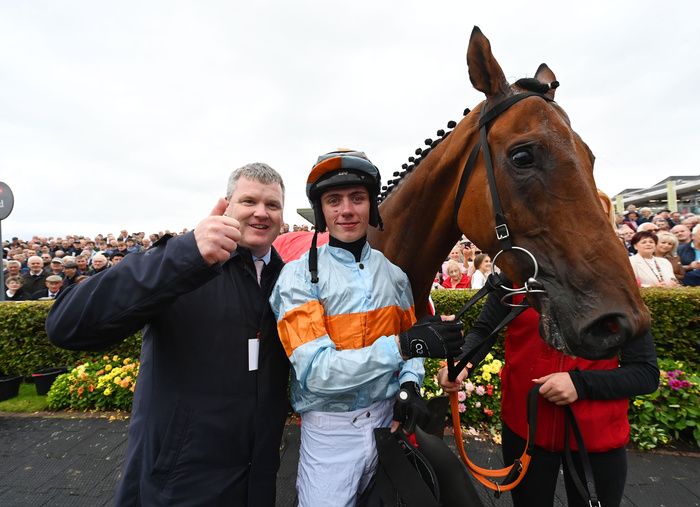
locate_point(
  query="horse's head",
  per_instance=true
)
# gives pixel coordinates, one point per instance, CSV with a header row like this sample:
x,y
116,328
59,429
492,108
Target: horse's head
x,y
543,173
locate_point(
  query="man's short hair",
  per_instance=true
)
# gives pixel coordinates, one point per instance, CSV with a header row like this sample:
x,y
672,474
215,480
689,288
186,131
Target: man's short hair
x,y
14,263
54,278
257,171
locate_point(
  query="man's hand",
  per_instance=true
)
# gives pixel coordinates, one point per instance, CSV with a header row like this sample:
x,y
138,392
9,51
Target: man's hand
x,y
410,409
452,387
432,337
557,388
217,235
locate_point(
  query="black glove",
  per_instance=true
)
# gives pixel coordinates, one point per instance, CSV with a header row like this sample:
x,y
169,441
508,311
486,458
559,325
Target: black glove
x,y
432,337
410,409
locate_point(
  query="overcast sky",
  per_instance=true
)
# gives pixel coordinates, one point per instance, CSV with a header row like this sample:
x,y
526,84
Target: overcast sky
x,y
132,114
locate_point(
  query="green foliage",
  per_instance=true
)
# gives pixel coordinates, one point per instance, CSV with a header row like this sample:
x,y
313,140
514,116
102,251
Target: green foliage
x,y
675,322
107,383
25,348
671,411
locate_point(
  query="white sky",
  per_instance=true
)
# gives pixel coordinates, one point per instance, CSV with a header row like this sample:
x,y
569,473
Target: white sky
x,y
132,114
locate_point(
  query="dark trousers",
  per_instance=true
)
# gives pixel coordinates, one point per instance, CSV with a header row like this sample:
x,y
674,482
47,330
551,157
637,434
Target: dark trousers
x,y
540,482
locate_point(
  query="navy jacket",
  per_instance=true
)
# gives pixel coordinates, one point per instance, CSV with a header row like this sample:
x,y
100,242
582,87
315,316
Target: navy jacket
x,y
204,429
687,255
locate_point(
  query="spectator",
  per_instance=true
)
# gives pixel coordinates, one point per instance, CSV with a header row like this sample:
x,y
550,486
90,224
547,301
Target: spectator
x,y
690,221
56,267
676,218
70,272
625,233
630,220
650,271
99,264
482,265
455,255
661,223
117,257
35,279
82,262
645,216
46,259
54,284
14,291
690,259
456,278
648,227
131,246
682,233
13,269
667,248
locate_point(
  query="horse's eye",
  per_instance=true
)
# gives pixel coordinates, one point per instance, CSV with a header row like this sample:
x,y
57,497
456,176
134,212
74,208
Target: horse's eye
x,y
522,157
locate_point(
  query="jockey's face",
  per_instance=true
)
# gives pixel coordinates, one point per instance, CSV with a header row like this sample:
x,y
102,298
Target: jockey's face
x,y
346,211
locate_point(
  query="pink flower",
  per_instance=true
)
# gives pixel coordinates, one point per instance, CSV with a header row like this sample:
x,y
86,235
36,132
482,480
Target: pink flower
x,y
462,408
480,390
671,374
477,404
488,412
675,384
685,383
461,396
469,387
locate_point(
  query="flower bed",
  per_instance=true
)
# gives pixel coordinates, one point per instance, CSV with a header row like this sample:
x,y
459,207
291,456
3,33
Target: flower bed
x,y
107,383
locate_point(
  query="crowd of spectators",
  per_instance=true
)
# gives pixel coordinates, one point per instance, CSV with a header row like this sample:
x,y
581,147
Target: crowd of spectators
x,y
41,267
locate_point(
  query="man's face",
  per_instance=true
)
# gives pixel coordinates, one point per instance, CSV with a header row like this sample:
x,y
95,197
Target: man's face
x,y
258,208
661,223
98,263
696,238
682,233
54,286
70,272
676,217
46,258
346,211
56,267
35,264
626,233
116,260
82,263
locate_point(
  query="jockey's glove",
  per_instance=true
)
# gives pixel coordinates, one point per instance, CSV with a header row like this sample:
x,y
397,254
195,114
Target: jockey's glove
x,y
410,409
432,337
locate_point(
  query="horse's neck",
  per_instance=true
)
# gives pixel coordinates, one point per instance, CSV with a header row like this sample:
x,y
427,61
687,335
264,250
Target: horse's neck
x,y
419,228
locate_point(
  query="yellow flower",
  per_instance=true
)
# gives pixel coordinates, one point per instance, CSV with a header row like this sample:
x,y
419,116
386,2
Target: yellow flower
x,y
486,376
107,391
108,367
115,358
638,403
117,380
127,360
105,358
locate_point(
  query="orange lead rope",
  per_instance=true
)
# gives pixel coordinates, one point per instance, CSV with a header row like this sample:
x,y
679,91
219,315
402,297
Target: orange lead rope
x,y
512,474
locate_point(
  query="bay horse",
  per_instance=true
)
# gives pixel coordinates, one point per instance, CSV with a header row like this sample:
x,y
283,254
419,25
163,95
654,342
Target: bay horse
x,y
543,173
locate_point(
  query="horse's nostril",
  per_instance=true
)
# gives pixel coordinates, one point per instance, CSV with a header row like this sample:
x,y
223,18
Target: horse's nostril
x,y
612,326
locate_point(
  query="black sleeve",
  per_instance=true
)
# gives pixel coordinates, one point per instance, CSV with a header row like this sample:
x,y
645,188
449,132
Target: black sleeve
x,y
638,374
491,315
108,307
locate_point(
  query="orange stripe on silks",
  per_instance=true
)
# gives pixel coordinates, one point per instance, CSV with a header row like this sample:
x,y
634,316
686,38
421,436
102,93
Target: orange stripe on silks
x,y
358,330
301,325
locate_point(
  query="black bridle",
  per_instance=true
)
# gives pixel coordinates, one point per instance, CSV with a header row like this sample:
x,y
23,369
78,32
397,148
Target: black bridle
x,y
532,285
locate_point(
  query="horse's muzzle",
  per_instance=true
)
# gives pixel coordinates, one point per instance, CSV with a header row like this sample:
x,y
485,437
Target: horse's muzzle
x,y
604,336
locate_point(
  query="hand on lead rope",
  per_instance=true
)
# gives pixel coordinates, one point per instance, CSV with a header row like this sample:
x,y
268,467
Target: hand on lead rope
x,y
437,337
444,381
410,409
217,235
557,388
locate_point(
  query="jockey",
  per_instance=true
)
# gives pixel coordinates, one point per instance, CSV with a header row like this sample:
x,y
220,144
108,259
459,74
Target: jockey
x,y
346,320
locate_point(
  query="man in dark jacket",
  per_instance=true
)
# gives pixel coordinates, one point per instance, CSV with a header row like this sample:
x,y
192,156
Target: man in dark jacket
x,y
211,400
690,259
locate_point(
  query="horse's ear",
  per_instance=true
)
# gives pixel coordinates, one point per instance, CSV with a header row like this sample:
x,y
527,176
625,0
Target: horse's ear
x,y
545,75
484,71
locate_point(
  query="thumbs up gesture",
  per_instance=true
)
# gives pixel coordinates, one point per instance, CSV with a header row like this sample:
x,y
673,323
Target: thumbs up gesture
x,y
217,235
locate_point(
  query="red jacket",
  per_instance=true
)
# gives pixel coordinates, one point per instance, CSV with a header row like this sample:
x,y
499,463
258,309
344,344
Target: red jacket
x,y
462,284
603,423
